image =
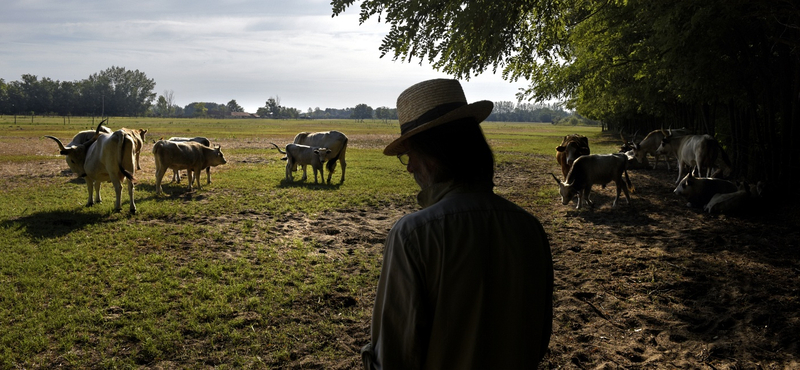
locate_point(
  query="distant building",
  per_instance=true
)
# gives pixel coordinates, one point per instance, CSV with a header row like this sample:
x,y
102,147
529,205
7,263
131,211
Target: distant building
x,y
243,115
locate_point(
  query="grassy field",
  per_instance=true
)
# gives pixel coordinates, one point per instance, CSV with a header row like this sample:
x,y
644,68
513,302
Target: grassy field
x,y
218,277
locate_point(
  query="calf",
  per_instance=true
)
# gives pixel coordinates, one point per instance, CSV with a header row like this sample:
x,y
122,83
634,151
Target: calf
x,y
335,141
176,175
107,157
190,156
303,155
596,169
572,147
698,191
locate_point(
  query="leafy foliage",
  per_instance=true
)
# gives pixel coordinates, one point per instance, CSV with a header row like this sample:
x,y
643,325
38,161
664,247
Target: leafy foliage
x,y
727,68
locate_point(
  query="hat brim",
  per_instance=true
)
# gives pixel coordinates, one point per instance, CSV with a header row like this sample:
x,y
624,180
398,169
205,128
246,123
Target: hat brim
x,y
479,110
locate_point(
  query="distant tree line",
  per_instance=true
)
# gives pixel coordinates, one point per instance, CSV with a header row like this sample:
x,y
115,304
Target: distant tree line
x,y
120,92
114,91
507,111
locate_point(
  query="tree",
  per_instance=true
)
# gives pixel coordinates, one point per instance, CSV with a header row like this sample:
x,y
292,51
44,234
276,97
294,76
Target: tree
x,y
233,106
361,112
200,110
727,68
162,107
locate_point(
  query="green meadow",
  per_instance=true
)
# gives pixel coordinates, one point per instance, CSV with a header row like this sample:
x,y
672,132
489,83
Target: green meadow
x,y
223,276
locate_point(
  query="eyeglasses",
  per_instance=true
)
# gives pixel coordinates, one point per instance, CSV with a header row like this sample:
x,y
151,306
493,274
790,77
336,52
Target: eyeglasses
x,y
403,157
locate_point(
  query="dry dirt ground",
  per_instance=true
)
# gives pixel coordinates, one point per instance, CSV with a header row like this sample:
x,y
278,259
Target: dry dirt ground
x,y
652,285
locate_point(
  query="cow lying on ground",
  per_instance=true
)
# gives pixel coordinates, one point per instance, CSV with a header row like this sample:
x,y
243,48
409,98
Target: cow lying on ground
x,y
729,202
190,156
698,191
176,175
698,151
572,147
335,141
303,155
596,169
107,157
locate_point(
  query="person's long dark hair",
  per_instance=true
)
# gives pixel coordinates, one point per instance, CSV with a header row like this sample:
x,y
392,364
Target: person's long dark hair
x,y
460,151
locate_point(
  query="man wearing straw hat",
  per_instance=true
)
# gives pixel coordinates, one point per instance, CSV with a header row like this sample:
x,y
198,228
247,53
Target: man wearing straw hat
x,y
466,282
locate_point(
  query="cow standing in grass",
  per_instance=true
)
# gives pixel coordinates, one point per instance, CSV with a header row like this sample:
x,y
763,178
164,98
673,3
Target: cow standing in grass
x,y
107,157
190,156
304,155
334,141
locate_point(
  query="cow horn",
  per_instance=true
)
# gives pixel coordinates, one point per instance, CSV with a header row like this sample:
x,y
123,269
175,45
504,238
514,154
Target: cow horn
x,y
556,178
60,145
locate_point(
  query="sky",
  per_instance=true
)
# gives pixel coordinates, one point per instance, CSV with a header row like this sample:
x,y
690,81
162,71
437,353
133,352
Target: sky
x,y
216,51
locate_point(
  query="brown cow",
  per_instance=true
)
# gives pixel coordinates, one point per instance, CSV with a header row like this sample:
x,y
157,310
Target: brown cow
x,y
572,147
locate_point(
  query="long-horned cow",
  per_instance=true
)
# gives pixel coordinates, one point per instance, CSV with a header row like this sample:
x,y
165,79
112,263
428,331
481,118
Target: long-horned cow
x,y
572,147
334,141
176,175
650,144
190,156
696,151
595,169
698,191
107,157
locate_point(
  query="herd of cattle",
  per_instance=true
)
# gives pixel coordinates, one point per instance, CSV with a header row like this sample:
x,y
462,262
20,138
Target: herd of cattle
x,y
101,155
700,153
104,156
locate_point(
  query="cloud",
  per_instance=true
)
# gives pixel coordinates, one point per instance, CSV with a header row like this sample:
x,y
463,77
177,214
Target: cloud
x,y
215,51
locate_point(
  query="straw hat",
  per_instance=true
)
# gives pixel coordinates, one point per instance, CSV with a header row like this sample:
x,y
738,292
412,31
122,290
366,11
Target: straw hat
x,y
431,103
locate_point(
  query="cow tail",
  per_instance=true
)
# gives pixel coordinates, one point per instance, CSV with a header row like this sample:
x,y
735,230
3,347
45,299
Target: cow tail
x,y
628,182
332,162
279,148
126,141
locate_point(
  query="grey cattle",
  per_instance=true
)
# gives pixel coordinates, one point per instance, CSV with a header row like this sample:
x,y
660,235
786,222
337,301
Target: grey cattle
x,y
303,155
595,169
190,156
176,175
696,151
138,140
729,202
650,144
87,135
107,157
334,141
698,191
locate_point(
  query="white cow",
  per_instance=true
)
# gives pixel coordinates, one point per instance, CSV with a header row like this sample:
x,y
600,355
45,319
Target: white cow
x,y
176,175
104,158
698,151
138,139
303,155
190,156
650,144
335,141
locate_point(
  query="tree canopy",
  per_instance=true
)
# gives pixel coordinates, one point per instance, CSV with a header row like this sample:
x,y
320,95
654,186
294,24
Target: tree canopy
x,y
727,68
